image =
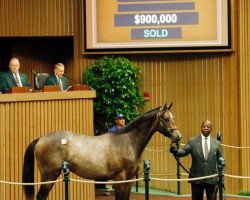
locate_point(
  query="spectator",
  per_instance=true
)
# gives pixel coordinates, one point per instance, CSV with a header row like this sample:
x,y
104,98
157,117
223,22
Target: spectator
x,y
120,122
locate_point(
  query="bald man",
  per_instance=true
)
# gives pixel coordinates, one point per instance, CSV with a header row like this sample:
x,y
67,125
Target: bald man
x,y
204,151
13,77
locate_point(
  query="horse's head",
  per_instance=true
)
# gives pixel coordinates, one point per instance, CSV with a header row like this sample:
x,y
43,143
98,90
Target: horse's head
x,y
166,124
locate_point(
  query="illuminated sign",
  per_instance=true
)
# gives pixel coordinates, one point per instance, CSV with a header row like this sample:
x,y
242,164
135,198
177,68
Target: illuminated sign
x,y
119,25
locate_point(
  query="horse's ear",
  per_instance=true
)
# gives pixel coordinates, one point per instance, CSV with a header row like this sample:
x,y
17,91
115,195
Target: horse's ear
x,y
169,107
165,107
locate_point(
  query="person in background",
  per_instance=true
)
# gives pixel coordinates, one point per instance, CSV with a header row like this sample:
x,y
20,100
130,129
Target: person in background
x,y
205,152
13,77
120,122
57,78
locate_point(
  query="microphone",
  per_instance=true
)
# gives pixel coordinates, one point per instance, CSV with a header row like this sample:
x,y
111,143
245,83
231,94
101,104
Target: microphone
x,y
71,79
34,72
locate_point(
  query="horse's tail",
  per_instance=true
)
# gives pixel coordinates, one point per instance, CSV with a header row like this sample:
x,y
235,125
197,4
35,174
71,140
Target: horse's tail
x,y
28,170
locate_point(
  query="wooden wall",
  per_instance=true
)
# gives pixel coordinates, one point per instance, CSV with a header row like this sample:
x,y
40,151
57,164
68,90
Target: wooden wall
x,y
37,18
244,90
201,85
25,117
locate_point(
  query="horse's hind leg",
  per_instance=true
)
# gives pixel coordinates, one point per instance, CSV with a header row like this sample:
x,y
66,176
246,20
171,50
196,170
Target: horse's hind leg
x,y
44,191
45,188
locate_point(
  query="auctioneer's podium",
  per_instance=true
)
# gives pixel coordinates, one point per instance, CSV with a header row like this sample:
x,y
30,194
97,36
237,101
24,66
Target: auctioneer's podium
x,y
27,116
19,90
54,88
51,88
80,87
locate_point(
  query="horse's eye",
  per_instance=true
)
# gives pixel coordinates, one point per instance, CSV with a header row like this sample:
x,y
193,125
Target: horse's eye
x,y
167,119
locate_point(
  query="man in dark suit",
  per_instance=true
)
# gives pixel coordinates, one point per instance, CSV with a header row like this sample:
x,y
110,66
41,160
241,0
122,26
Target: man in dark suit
x,y
205,152
57,78
13,78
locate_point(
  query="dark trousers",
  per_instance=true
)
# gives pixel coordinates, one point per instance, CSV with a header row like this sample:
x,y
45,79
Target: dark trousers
x,y
198,190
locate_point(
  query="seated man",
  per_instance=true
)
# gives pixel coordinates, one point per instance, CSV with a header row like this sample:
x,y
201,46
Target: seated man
x,y
57,78
13,78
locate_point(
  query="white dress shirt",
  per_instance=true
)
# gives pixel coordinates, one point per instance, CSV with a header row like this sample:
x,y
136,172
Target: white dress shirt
x,y
203,141
19,79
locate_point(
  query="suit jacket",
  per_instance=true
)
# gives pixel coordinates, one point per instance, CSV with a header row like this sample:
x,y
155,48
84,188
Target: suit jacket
x,y
201,167
7,81
52,80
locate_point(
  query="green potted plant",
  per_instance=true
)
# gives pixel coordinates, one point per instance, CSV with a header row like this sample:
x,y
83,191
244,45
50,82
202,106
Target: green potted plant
x,y
244,193
117,84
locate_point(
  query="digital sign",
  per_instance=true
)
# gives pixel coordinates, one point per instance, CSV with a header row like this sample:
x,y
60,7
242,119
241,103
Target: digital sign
x,y
124,25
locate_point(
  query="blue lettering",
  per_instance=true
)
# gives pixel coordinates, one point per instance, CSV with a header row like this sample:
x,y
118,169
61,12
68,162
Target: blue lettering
x,y
146,33
164,32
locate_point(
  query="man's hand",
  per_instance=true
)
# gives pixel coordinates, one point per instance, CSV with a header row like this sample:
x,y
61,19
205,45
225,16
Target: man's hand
x,y
174,151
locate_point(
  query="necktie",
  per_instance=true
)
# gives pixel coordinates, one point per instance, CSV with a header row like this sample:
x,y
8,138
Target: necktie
x,y
205,148
60,84
17,80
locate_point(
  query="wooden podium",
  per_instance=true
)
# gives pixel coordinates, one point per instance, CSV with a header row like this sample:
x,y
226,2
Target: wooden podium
x,y
51,88
56,88
19,90
79,87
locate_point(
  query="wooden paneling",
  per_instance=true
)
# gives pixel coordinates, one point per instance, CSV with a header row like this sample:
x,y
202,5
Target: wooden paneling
x,y
36,18
244,69
25,117
200,85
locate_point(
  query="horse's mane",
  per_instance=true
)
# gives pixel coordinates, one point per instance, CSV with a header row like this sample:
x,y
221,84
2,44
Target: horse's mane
x,y
138,120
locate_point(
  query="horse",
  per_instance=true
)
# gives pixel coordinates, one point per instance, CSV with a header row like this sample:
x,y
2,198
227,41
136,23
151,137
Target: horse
x,y
110,156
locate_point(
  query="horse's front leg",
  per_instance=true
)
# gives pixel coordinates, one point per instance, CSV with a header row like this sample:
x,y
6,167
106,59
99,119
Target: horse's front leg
x,y
127,190
122,191
119,191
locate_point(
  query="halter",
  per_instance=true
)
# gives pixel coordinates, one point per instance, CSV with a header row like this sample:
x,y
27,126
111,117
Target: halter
x,y
164,125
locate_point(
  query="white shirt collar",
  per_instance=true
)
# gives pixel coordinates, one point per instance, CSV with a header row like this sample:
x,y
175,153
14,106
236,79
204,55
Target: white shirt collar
x,y
57,77
203,137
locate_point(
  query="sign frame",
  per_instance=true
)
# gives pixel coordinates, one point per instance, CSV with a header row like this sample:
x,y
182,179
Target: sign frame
x,y
109,48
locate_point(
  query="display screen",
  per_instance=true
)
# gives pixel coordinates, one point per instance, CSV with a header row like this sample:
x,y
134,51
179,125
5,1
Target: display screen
x,y
156,24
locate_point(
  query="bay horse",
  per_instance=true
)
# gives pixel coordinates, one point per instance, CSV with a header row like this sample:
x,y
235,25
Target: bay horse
x,y
111,156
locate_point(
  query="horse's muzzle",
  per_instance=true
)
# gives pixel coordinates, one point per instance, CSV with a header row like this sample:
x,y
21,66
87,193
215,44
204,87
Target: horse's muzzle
x,y
176,136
